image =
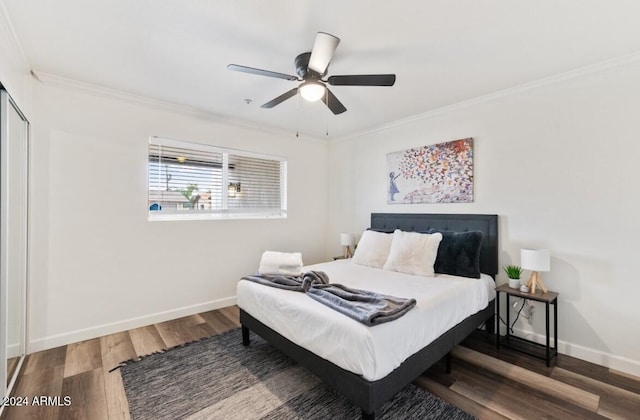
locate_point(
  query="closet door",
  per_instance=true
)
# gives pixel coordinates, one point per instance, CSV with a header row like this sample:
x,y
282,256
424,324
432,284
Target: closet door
x,y
13,239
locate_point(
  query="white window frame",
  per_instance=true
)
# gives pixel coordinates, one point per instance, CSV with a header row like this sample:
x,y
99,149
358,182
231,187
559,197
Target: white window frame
x,y
225,213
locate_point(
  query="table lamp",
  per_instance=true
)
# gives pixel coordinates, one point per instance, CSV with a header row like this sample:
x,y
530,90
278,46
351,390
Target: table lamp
x,y
347,240
535,260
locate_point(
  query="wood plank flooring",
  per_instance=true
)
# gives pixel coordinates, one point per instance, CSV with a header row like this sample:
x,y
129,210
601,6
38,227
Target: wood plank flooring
x,y
484,382
12,363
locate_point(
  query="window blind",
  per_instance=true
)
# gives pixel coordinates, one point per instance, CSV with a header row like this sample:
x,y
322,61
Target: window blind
x,y
195,181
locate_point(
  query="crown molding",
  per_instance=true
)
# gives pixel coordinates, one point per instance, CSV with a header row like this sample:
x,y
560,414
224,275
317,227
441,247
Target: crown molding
x,y
106,92
595,68
7,30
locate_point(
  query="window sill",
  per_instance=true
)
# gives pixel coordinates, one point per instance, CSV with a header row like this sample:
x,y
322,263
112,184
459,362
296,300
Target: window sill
x,y
154,217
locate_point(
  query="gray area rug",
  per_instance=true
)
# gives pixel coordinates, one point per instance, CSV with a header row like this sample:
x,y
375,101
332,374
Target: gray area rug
x,y
219,378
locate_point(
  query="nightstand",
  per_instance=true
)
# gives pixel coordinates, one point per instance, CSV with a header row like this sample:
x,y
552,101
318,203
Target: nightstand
x,y
522,344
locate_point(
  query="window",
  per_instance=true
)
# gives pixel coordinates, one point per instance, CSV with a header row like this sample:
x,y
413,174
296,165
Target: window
x,y
194,181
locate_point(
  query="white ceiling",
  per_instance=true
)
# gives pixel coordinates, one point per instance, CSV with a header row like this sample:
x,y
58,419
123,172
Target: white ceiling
x,y
442,52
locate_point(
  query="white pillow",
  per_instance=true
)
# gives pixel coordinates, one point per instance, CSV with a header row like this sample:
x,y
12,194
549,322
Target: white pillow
x,y
373,249
413,253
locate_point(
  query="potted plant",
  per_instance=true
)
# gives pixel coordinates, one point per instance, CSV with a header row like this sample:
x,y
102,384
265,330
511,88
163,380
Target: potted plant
x,y
513,273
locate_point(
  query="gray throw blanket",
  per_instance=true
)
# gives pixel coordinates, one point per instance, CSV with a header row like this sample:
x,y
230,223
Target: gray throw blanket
x,y
364,306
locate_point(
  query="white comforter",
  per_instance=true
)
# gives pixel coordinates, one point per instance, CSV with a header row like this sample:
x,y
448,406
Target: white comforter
x,y
373,352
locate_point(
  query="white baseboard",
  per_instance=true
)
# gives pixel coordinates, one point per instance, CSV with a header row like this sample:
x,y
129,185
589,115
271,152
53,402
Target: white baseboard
x,y
622,364
13,350
106,329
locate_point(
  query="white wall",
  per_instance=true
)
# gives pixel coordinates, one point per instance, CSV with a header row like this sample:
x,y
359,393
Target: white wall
x,y
99,267
558,162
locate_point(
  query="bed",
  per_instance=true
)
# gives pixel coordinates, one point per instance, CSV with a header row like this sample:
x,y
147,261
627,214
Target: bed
x,y
380,360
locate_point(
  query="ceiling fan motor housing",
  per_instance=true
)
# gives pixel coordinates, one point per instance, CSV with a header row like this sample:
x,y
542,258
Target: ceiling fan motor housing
x,y
302,67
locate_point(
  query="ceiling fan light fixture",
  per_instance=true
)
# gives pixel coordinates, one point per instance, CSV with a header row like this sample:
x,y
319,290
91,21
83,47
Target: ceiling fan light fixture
x,y
312,91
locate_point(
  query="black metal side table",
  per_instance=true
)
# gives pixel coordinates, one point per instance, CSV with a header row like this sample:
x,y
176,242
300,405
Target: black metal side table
x,y
522,344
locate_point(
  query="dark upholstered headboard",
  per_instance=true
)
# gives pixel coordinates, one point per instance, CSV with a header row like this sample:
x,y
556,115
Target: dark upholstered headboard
x,y
486,223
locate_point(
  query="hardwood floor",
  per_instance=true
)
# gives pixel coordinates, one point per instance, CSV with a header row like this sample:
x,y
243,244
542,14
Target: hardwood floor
x,y
12,363
484,382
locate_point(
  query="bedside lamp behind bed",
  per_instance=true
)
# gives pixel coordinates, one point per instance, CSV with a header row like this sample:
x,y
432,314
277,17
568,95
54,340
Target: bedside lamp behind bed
x,y
347,240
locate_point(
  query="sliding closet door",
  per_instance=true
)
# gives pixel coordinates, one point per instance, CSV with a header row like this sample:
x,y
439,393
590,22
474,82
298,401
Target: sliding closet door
x,y
13,238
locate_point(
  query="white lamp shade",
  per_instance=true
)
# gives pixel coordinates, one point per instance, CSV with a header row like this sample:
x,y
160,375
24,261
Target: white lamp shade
x,y
347,239
535,259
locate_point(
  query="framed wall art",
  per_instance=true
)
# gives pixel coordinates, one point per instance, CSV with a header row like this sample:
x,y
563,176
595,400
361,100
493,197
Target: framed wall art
x,y
439,173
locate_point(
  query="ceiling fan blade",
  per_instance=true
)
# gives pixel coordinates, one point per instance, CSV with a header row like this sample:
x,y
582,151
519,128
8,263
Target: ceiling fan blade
x,y
333,103
280,98
260,72
363,80
322,52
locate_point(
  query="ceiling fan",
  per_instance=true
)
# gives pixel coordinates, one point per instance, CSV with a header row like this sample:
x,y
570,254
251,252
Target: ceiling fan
x,y
311,67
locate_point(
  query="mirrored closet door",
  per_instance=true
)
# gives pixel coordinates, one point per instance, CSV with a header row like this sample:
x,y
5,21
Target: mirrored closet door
x,y
14,139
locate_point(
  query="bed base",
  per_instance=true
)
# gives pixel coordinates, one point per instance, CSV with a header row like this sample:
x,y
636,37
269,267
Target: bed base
x,y
371,395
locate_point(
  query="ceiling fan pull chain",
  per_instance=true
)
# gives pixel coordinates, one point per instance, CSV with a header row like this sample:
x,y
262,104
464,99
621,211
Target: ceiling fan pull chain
x,y
298,116
326,114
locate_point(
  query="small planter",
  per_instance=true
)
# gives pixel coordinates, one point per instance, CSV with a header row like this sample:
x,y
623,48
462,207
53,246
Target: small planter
x,y
513,273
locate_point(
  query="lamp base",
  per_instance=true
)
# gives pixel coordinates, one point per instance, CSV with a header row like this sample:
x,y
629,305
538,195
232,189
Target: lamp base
x,y
536,281
347,251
